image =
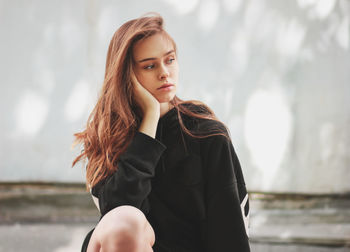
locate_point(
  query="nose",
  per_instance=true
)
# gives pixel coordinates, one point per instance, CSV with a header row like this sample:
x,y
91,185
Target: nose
x,y
164,72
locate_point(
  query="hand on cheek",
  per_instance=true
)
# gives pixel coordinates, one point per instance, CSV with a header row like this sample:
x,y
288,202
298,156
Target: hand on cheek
x,y
143,97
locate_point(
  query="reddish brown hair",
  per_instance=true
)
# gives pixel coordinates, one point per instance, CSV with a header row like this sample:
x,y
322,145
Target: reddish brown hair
x,y
116,116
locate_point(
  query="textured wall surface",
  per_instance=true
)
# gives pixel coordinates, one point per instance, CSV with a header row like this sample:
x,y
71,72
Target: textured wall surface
x,y
276,72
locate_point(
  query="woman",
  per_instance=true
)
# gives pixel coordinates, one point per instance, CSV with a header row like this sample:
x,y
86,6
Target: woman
x,y
162,171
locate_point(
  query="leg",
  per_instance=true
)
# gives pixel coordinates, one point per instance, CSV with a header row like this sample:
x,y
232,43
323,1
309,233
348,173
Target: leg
x,y
122,229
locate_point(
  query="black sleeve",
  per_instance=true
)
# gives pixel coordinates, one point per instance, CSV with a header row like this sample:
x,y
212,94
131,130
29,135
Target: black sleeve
x,y
131,183
227,199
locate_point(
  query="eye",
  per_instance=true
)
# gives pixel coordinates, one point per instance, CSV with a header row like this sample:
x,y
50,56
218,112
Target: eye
x,y
148,66
171,60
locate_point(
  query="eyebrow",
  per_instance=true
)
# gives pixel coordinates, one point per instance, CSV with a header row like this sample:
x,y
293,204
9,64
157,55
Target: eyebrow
x,y
156,58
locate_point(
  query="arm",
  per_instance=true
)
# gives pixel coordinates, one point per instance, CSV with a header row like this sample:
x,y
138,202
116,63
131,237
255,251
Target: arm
x,y
131,183
227,199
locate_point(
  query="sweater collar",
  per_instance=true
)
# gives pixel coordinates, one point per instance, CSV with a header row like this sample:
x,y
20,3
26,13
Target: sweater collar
x,y
169,123
169,119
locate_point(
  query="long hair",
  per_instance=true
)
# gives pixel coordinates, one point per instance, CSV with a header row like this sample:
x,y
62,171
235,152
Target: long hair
x,y
116,116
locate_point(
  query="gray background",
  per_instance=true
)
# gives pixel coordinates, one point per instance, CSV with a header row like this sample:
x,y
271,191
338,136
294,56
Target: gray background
x,y
276,72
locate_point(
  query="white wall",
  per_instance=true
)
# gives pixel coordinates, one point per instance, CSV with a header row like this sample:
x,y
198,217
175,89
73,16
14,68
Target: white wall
x,y
276,72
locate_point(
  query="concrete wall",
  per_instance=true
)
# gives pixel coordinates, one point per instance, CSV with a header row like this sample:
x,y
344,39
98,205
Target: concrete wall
x,y
276,72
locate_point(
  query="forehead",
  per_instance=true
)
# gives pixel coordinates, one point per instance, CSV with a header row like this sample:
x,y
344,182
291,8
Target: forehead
x,y
154,46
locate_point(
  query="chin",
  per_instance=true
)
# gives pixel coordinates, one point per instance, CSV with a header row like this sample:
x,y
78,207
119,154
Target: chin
x,y
166,98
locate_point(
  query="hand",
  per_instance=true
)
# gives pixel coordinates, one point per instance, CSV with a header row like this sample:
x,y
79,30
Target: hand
x,y
145,100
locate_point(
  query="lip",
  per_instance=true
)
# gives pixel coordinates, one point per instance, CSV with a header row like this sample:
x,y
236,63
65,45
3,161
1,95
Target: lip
x,y
166,85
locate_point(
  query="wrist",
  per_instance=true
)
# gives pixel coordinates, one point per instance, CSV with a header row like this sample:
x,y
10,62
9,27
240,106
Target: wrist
x,y
153,114
149,124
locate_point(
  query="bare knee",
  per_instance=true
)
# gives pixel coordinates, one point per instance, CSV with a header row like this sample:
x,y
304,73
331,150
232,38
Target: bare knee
x,y
124,228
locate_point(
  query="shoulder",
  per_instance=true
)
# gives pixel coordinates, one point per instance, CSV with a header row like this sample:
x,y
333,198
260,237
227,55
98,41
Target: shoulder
x,y
196,106
213,126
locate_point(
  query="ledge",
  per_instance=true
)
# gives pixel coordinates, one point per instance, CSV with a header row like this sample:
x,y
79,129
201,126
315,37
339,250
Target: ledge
x,y
316,220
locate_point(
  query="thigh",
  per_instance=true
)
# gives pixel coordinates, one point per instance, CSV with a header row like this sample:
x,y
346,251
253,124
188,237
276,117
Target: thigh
x,y
150,235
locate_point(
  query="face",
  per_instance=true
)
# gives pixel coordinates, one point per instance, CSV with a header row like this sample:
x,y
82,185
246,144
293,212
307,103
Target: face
x,y
156,65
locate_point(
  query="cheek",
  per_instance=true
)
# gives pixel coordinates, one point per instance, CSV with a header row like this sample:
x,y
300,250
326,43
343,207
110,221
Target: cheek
x,y
175,72
175,69
146,79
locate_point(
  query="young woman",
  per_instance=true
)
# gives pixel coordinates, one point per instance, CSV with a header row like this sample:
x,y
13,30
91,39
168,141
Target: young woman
x,y
162,171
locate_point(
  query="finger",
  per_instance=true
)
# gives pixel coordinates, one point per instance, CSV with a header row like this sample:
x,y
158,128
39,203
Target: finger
x,y
137,83
134,79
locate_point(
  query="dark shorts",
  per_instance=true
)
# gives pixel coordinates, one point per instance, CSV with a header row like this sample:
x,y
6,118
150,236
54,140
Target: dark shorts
x,y
86,241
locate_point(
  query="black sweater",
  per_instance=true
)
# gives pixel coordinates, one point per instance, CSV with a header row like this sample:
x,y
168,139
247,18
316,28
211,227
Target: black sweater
x,y
191,190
